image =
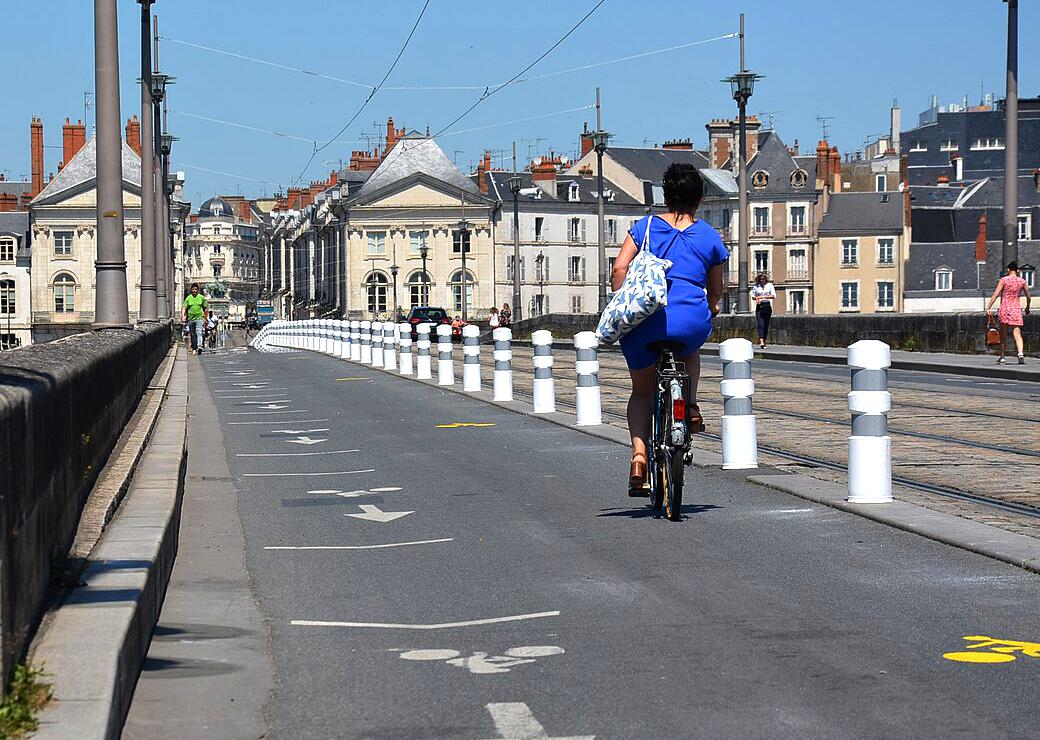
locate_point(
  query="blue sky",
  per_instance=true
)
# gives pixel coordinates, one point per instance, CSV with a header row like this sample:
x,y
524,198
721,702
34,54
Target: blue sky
x,y
829,58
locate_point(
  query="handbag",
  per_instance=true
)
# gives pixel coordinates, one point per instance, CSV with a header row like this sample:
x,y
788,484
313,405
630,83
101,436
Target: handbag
x,y
992,332
644,291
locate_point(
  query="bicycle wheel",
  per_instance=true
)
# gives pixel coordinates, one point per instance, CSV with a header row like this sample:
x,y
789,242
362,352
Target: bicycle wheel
x,y
653,467
674,480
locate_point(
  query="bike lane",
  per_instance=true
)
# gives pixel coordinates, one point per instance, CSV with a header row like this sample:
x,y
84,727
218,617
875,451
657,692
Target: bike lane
x,y
491,579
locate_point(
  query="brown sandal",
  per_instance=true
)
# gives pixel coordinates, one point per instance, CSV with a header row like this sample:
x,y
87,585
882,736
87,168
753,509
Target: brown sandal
x,y
637,477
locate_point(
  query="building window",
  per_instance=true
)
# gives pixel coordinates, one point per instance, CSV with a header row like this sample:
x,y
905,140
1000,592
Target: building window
x,y
419,289
886,296
575,230
9,341
7,297
761,220
949,145
944,279
725,218
456,291
63,243
797,219
760,179
919,146
610,271
64,293
7,247
799,178
611,231
797,264
849,252
1028,273
988,143
762,261
880,183
886,252
658,194
416,239
509,268
573,194
1023,222
216,249
539,228
375,287
376,242
539,304
216,272
576,269
216,230
796,301
460,241
850,295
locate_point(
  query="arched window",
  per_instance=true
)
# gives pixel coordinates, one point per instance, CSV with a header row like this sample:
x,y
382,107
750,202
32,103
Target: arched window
x,y
64,293
760,179
375,287
419,289
456,290
6,296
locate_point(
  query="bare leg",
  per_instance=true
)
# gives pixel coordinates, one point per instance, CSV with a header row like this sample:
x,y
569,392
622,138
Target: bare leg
x,y
1016,332
1003,338
640,407
693,369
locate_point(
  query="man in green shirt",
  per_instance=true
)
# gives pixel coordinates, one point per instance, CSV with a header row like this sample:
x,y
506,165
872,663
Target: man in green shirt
x,y
193,313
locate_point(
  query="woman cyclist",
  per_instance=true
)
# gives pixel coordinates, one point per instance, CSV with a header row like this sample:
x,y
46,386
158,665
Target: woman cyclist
x,y
694,290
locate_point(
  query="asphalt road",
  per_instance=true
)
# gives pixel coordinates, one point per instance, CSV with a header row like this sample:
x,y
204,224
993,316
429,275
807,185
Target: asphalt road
x,y
540,601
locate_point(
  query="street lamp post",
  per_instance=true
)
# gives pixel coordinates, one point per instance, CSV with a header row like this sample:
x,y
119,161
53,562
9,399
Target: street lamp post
x,y
540,262
599,140
148,306
1009,252
742,86
424,252
162,241
514,186
464,233
393,273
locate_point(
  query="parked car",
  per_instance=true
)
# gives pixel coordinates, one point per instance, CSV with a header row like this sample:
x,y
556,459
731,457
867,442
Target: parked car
x,y
427,315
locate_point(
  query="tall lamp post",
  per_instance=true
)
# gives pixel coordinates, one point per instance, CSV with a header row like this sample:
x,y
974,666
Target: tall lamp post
x,y
147,304
464,247
394,269
1009,251
424,252
161,241
540,262
599,141
742,86
514,186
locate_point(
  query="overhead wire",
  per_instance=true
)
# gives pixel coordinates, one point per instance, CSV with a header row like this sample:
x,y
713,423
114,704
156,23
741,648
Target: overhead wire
x,y
247,127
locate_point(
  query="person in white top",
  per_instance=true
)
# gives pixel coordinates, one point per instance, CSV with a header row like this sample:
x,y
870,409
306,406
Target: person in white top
x,y
493,320
763,294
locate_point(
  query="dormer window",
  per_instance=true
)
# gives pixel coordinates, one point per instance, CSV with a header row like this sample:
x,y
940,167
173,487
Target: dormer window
x,y
760,179
573,194
799,178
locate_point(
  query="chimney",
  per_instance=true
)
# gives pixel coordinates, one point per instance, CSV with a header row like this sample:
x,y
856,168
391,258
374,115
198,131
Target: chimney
x,y
678,144
793,150
823,168
133,134
587,144
333,178
980,240
894,125
543,173
73,137
943,180
958,166
753,125
720,142
907,205
8,202
904,172
483,167
391,133
36,147
835,169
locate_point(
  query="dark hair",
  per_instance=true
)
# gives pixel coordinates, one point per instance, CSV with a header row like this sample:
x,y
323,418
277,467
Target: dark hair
x,y
683,188
1012,265
194,285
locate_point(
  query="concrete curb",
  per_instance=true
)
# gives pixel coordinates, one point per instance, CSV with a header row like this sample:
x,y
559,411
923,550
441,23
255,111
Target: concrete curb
x,y
93,644
993,542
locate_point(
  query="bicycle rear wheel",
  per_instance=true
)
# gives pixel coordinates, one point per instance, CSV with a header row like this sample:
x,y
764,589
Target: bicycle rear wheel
x,y
674,483
654,476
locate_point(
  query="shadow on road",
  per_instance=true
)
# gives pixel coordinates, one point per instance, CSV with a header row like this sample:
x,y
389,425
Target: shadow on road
x,y
641,512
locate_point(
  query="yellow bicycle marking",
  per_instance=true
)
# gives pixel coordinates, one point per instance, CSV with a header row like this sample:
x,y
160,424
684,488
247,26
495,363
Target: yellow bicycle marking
x,y
458,424
993,650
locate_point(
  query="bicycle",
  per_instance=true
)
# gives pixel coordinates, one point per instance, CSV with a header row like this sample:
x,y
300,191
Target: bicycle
x,y
669,450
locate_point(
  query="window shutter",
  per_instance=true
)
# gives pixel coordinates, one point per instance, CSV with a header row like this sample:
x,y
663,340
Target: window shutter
x,y
583,229
583,269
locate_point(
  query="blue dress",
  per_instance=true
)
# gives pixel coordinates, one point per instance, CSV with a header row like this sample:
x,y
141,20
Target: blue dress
x,y
687,317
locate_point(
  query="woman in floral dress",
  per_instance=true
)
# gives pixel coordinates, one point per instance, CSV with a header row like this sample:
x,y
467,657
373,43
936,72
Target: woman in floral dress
x,y
1009,288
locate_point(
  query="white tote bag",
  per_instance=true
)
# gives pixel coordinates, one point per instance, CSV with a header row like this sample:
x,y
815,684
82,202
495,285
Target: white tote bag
x,y
644,291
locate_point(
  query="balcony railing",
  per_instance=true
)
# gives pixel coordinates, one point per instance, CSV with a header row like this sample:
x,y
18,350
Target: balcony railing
x,y
760,230
796,229
797,273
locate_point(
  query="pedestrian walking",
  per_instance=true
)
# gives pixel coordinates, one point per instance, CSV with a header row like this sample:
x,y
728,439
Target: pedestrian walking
x,y
697,255
1010,289
193,313
505,317
763,294
493,319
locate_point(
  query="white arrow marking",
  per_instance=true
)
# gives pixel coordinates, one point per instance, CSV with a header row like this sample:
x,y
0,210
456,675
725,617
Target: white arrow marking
x,y
442,626
375,514
268,398
296,431
308,441
514,721
273,406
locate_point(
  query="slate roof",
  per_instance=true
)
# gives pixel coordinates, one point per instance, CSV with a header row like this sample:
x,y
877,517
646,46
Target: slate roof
x,y
498,188
82,170
863,213
772,157
416,155
989,193
15,187
650,164
216,208
925,259
17,223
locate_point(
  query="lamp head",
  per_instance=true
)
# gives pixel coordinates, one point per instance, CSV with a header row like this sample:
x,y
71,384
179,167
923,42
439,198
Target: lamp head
x,y
742,85
159,83
514,184
599,140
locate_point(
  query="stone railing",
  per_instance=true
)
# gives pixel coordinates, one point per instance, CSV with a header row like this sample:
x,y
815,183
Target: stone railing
x,y
63,405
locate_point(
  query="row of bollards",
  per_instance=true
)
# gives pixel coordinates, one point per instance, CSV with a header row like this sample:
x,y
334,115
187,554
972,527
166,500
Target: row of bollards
x,y
388,345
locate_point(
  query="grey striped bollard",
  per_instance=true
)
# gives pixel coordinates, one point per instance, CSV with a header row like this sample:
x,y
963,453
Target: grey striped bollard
x,y
366,342
389,345
543,388
739,432
405,333
870,446
355,341
586,366
423,363
377,344
326,336
344,339
445,369
471,358
502,382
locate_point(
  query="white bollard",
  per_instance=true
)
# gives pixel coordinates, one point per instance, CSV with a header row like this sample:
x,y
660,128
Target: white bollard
x,y
325,329
739,432
445,369
344,336
586,366
355,341
377,344
404,333
503,376
389,345
423,363
870,446
471,358
543,387
366,343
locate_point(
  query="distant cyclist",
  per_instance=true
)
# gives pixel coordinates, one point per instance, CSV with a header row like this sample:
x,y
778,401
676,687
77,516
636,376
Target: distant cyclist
x,y
694,290
193,313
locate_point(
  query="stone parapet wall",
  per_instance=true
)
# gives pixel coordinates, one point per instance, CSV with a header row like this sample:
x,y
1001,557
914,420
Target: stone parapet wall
x,y
63,405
